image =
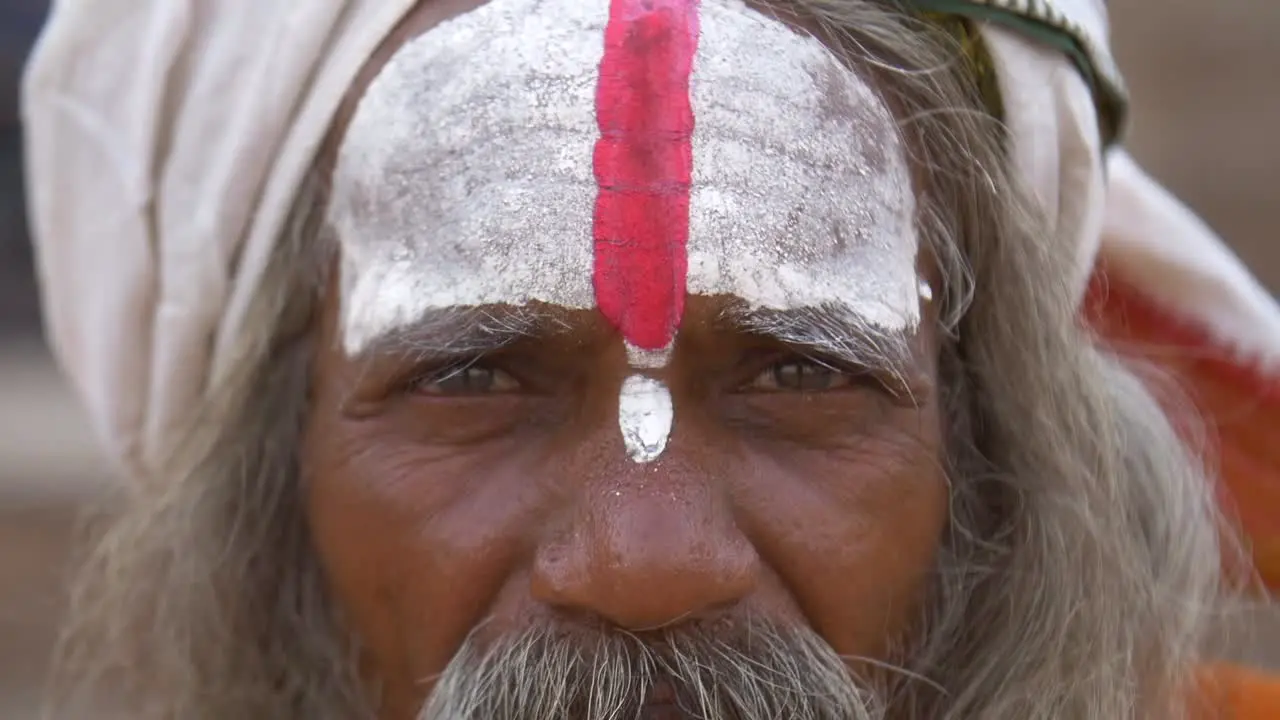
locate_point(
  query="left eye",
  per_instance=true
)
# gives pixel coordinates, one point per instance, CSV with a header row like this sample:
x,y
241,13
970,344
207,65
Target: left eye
x,y
467,380
800,375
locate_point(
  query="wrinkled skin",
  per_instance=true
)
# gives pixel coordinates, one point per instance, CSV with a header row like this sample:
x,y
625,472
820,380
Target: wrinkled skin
x,y
500,497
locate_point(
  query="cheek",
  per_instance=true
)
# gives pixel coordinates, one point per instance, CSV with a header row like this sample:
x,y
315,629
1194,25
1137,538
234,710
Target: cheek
x,y
854,530
417,545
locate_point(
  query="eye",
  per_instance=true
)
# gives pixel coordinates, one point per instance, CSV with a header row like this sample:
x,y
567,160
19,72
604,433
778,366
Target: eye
x,y
801,375
469,379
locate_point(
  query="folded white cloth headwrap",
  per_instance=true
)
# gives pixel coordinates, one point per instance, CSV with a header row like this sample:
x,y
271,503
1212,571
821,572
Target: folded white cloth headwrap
x,y
165,142
167,139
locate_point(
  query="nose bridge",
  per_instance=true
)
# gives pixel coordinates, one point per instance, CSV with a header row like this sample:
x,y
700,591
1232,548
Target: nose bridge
x,y
647,545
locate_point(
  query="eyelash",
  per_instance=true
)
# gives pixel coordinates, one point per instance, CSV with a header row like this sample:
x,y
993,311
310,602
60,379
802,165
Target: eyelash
x,y
772,364
415,380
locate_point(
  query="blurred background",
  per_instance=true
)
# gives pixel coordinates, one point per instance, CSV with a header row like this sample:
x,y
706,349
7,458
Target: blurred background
x,y
1206,121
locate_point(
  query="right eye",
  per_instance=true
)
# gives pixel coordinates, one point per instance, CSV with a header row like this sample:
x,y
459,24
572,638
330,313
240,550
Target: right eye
x,y
800,374
469,379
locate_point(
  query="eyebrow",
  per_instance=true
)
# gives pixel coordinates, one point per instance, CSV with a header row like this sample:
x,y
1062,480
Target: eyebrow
x,y
465,332
831,331
835,332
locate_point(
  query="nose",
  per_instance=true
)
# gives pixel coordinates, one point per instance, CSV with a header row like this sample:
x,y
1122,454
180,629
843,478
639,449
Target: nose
x,y
643,556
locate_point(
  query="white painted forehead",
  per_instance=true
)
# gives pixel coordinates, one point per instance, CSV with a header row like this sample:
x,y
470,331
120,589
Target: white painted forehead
x,y
466,178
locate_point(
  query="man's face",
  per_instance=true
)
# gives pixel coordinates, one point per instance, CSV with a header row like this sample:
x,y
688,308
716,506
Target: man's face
x,y
630,335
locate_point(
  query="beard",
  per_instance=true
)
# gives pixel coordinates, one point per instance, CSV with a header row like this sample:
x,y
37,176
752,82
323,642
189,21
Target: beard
x,y
756,671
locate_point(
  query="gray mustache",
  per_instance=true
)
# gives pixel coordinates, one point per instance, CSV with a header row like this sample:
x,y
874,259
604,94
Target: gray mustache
x,y
756,671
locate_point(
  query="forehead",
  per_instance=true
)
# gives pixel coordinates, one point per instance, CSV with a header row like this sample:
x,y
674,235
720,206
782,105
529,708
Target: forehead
x,y
470,172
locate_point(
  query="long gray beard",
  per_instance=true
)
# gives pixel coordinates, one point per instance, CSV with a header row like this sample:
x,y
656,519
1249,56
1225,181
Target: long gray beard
x,y
757,673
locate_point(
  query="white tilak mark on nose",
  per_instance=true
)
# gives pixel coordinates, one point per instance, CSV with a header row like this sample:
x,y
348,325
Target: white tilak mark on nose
x,y
645,413
648,359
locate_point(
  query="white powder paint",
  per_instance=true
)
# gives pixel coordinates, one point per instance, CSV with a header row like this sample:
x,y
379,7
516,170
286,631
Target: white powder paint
x,y
465,178
802,194
640,358
926,291
645,415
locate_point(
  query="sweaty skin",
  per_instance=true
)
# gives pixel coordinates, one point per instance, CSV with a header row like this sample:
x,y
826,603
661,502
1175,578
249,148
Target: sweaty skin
x,y
448,498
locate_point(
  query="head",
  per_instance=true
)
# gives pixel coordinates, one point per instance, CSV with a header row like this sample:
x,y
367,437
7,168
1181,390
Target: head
x,y
771,402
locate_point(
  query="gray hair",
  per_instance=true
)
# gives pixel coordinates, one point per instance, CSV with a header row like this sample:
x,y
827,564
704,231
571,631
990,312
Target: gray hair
x,y
1079,573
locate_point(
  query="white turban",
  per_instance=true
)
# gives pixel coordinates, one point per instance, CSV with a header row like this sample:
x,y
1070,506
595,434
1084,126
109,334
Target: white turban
x,y
168,138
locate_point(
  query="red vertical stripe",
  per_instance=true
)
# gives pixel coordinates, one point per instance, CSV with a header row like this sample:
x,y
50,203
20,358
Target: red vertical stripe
x,y
643,162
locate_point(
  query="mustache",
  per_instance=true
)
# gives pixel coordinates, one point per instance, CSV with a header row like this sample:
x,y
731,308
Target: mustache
x,y
751,671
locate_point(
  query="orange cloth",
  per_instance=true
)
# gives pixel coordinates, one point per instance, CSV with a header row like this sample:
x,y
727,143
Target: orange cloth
x,y
1237,693
1239,405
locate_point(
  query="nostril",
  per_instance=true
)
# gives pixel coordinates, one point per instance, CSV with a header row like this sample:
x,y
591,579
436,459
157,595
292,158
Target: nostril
x,y
557,580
